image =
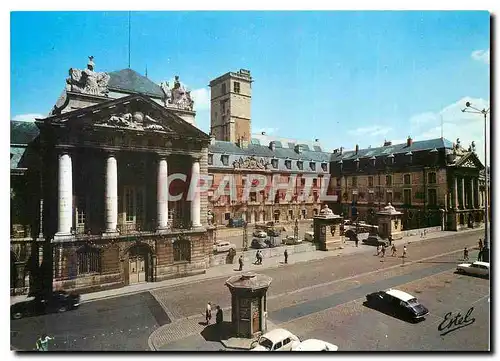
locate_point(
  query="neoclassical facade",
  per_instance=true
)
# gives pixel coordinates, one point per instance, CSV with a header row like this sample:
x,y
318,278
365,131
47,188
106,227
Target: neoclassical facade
x,y
100,187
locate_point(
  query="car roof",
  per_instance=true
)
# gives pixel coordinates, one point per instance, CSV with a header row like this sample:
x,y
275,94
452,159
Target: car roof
x,y
311,344
277,335
487,264
403,296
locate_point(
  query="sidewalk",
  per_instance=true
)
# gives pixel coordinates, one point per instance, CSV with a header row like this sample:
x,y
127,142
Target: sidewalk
x,y
228,270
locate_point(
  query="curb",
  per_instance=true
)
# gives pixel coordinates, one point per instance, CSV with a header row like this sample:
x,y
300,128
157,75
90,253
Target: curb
x,y
265,267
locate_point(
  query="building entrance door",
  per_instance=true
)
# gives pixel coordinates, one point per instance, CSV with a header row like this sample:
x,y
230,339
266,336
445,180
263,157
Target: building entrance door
x,y
138,264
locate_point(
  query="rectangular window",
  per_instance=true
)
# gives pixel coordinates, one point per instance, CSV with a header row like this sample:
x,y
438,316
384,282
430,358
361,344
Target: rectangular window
x,y
388,197
134,204
274,163
315,182
407,197
300,165
253,197
406,179
223,90
302,181
388,180
129,205
236,86
312,165
227,216
210,159
431,178
370,181
355,198
324,166
432,197
370,197
354,181
288,164
225,159
80,211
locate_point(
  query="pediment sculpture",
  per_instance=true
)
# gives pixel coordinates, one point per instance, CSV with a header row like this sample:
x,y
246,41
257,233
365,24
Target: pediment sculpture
x,y
251,163
469,164
88,81
326,210
177,95
136,121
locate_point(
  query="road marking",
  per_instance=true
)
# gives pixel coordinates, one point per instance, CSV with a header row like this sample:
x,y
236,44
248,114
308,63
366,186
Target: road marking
x,y
482,298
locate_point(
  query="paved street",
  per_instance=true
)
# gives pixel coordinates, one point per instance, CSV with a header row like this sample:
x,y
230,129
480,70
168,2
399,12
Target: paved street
x,y
321,298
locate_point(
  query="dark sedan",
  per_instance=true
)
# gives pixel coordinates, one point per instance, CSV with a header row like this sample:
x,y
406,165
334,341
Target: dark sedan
x,y
258,243
376,241
58,301
397,303
350,234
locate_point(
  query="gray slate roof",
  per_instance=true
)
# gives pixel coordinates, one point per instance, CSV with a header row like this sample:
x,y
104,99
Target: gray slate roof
x,y
131,81
22,132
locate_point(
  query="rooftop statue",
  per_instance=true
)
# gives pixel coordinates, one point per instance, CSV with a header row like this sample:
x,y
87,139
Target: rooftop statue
x,y
177,96
326,210
88,81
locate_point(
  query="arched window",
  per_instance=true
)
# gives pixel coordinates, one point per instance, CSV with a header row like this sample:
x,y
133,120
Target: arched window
x,y
182,250
89,260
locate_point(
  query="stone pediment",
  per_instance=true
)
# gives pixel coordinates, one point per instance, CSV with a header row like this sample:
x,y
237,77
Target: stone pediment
x,y
131,113
470,161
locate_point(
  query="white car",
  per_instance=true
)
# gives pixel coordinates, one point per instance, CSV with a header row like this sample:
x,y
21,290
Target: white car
x,y
315,345
291,240
475,268
309,236
278,339
260,234
223,246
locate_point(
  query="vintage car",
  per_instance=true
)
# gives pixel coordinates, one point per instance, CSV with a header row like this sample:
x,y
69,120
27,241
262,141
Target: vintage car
x,y
237,222
278,339
309,236
373,240
315,345
291,240
57,301
397,303
259,233
475,268
223,246
258,243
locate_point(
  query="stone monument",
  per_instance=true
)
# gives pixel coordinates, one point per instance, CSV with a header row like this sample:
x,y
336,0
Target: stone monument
x,y
326,227
389,223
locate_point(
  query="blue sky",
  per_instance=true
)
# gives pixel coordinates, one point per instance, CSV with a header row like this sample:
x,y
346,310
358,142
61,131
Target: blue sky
x,y
342,77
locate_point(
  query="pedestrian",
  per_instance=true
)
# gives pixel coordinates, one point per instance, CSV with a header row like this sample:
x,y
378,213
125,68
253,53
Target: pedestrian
x,y
383,251
393,250
378,250
219,316
42,344
286,256
466,254
356,240
404,252
208,313
480,255
240,261
480,243
257,257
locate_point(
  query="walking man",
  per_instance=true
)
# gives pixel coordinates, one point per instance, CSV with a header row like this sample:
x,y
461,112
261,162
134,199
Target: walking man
x,y
208,313
218,319
466,254
480,243
404,252
393,250
42,344
383,251
286,256
257,257
240,261
356,240
378,250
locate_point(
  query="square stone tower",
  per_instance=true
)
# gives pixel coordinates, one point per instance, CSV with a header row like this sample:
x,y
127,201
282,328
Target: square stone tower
x,y
230,104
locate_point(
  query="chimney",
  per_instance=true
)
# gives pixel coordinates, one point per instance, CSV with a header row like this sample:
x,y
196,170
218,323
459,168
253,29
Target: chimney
x,y
409,141
357,149
316,140
212,139
387,143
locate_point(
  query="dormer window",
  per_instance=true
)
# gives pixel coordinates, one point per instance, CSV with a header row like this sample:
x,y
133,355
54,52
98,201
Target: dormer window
x,y
225,159
210,159
272,146
356,161
373,161
312,165
298,148
288,164
300,164
324,166
409,156
390,159
274,163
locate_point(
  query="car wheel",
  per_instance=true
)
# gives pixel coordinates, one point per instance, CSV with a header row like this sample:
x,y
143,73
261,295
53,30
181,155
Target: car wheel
x,y
62,309
17,315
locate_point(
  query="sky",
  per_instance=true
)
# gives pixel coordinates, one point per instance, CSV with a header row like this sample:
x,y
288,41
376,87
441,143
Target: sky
x,y
344,77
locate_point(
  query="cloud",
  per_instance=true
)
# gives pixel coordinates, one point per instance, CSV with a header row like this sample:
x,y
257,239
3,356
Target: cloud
x,y
370,131
456,124
29,117
423,118
481,55
268,131
201,99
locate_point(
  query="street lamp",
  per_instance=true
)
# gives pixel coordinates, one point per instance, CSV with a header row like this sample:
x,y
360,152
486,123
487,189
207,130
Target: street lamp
x,y
470,109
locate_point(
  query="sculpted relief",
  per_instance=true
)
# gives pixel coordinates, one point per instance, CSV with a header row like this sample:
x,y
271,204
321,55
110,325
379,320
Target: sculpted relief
x,y
251,163
177,95
136,121
88,81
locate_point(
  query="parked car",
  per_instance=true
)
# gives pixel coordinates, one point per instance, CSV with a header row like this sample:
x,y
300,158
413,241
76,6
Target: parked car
x,y
475,268
398,303
291,240
315,345
223,246
236,222
373,240
258,243
309,236
350,234
57,301
259,233
278,339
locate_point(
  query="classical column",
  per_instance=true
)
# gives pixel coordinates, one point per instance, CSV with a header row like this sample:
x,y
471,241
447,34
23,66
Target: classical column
x,y
455,194
472,190
162,194
195,201
478,195
111,194
463,193
65,195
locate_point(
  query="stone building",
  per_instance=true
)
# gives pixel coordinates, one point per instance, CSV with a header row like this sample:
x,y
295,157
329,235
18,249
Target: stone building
x,y
89,193
433,182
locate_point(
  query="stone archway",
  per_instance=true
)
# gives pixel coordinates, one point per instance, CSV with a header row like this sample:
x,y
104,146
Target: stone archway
x,y
138,264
